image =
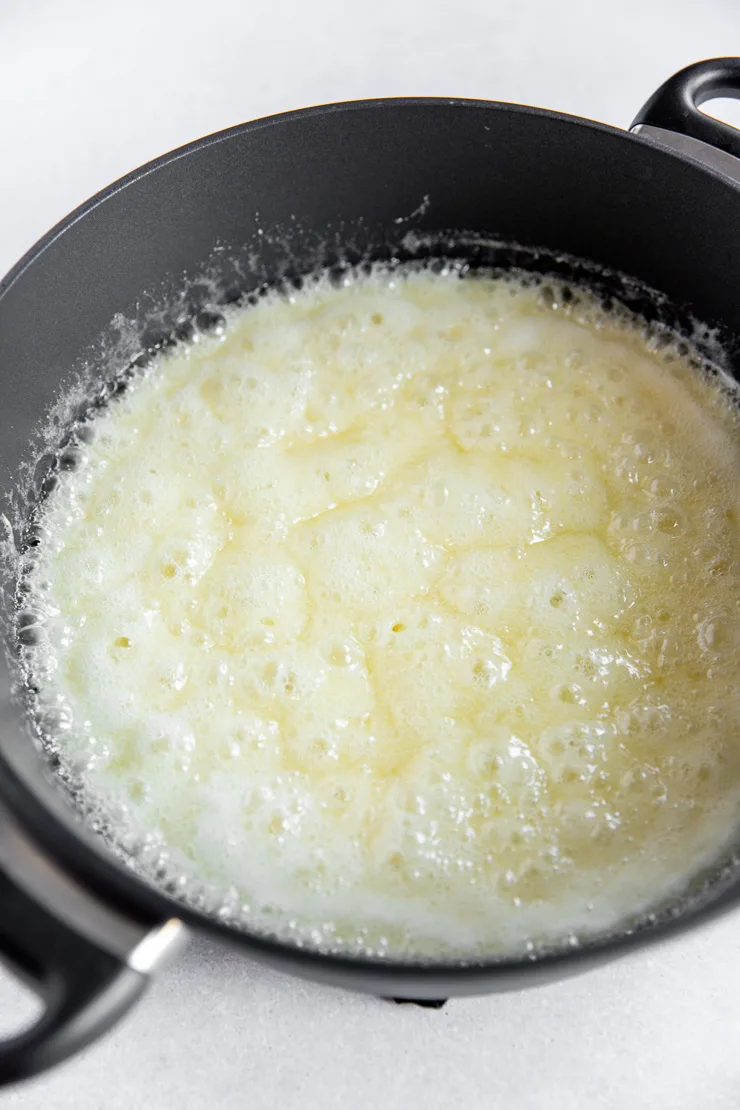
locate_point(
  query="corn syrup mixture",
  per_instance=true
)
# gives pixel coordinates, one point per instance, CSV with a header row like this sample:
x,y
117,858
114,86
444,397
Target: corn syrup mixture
x,y
406,613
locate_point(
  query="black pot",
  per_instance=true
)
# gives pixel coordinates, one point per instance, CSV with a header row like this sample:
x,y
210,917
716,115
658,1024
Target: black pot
x,y
271,200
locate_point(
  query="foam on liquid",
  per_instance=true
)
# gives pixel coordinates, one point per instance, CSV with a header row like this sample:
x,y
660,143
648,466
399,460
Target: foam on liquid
x,y
406,612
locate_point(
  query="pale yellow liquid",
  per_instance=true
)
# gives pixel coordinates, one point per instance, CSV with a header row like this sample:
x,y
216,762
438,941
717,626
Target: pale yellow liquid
x,y
407,612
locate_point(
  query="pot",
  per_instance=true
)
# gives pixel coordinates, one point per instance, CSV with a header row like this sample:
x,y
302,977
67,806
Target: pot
x,y
498,183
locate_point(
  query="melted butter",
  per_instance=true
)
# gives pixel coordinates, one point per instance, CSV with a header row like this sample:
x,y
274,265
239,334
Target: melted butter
x,y
408,611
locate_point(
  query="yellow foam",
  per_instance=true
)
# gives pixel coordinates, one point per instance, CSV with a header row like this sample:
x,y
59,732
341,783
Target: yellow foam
x,y
409,611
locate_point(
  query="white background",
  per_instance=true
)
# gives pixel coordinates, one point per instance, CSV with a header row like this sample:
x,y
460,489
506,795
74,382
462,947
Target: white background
x,y
88,90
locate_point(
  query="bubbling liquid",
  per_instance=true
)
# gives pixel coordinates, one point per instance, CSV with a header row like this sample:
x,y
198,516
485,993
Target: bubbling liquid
x,y
406,613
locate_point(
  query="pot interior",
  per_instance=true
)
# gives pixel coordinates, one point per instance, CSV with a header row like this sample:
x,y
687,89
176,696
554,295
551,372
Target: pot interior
x,y
270,203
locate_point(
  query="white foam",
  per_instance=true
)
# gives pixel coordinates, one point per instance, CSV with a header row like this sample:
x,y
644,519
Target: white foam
x,y
406,613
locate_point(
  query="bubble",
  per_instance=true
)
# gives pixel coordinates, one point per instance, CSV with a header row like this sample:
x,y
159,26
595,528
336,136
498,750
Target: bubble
x,y
719,634
670,521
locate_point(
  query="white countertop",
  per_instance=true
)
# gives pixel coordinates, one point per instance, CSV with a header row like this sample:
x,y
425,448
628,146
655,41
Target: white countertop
x,y
88,90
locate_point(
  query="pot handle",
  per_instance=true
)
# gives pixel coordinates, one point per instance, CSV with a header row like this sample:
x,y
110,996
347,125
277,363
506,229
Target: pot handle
x,y
84,989
672,116
87,962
